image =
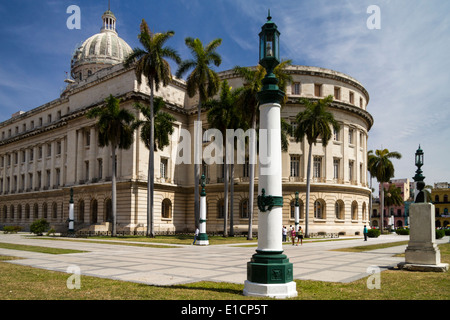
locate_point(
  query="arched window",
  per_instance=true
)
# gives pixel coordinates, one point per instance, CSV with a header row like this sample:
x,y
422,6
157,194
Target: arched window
x,y
5,213
319,209
27,211
81,211
19,212
339,209
243,209
354,210
54,211
44,210
166,209
436,198
220,209
35,211
108,210
445,198
364,217
12,212
94,211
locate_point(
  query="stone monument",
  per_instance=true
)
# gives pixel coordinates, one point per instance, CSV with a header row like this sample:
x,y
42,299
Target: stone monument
x,y
422,253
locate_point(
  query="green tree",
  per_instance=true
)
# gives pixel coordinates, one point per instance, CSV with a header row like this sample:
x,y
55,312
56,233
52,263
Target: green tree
x,y
114,128
314,123
163,122
204,81
223,114
151,63
381,167
393,196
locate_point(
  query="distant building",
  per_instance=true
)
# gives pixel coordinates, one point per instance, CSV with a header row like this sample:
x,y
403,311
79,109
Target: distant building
x,y
440,198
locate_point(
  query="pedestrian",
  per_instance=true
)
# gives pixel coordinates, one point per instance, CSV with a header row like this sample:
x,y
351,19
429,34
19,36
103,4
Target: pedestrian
x,y
293,235
365,233
284,231
196,235
300,236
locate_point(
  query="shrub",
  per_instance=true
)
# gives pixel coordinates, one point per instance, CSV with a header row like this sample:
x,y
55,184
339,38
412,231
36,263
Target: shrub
x,y
12,229
447,232
402,231
373,233
39,226
440,233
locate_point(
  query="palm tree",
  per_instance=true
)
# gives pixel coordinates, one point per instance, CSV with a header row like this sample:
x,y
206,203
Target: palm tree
x,y
223,114
150,63
381,167
114,128
249,103
314,122
393,196
204,81
163,124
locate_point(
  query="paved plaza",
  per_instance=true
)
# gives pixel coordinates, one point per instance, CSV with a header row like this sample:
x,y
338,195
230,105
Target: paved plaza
x,y
192,263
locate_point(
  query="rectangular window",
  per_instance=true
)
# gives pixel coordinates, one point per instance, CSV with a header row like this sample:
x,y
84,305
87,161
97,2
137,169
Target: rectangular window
x,y
58,148
335,134
30,181
350,170
88,138
318,90
163,168
100,168
49,176
317,168
295,166
296,88
58,177
337,93
31,154
336,163
352,97
86,164
350,136
49,149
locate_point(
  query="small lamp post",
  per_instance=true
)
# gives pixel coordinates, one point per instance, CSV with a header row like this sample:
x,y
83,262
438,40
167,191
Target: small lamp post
x,y
203,237
71,212
418,177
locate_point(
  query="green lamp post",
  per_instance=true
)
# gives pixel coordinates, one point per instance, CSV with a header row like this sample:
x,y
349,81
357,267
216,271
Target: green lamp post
x,y
269,272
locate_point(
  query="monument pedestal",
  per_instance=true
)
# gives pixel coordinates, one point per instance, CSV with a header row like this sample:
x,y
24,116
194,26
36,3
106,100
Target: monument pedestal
x,y
422,253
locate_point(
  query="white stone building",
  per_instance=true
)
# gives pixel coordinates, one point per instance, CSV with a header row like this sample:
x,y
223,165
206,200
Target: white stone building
x,y
48,150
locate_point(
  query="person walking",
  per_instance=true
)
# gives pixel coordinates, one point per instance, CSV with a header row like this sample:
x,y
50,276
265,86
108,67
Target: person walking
x,y
196,235
284,232
300,236
293,236
365,233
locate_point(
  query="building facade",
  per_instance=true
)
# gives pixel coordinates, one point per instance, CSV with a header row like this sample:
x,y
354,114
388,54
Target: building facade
x,y
49,150
440,198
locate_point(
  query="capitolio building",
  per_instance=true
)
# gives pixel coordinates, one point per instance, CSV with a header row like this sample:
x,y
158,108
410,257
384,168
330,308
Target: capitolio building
x,y
49,150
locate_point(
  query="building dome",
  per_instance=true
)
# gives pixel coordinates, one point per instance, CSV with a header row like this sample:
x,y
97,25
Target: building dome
x,y
100,51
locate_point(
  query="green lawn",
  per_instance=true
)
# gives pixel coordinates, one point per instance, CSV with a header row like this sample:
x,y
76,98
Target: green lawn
x,y
26,283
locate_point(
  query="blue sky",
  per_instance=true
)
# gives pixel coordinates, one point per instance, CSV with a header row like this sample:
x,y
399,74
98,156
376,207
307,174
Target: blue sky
x,y
404,65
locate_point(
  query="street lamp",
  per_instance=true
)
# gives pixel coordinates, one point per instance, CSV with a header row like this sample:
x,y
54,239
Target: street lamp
x,y
269,58
418,178
269,272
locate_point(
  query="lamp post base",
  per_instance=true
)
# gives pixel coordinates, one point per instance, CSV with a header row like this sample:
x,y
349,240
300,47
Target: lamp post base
x,y
270,274
203,239
272,290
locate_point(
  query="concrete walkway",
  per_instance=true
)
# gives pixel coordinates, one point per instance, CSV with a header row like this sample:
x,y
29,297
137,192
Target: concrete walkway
x,y
220,263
